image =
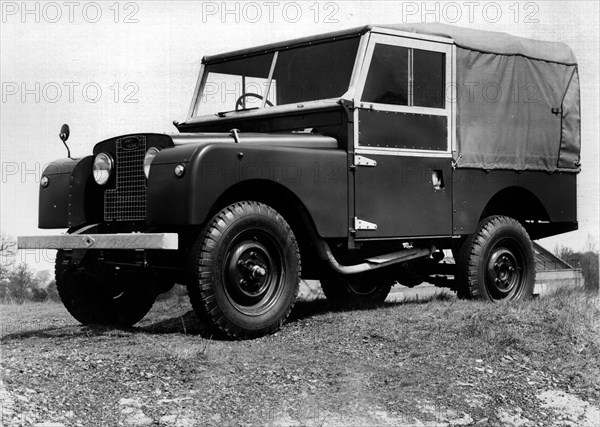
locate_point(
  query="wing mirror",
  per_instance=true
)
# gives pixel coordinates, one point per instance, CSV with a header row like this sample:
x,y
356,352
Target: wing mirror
x,y
64,132
64,135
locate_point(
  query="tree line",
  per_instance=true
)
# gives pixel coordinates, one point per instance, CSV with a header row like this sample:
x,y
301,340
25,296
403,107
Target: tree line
x,y
20,283
587,260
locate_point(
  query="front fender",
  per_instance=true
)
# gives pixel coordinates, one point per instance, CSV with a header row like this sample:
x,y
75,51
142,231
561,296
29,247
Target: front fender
x,y
72,197
317,177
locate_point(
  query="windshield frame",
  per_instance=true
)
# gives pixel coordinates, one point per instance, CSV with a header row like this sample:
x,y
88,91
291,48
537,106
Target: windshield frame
x,y
263,109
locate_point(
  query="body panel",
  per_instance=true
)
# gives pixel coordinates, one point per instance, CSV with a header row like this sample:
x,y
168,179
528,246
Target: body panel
x,y
54,201
317,177
72,197
304,140
398,195
473,189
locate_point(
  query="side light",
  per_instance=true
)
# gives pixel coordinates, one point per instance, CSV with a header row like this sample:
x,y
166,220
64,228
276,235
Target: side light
x,y
44,181
103,167
150,155
179,171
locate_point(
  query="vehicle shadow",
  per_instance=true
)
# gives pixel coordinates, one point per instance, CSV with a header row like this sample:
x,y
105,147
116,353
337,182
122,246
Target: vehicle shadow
x,y
70,331
185,322
189,324
309,308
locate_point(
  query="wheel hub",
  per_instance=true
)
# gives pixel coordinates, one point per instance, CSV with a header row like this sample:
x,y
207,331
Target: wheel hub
x,y
252,269
252,272
503,271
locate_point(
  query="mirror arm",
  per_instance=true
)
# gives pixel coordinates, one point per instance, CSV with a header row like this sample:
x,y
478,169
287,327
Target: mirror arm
x,y
68,149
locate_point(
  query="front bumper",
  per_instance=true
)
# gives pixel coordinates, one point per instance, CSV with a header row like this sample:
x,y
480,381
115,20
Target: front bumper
x,y
164,241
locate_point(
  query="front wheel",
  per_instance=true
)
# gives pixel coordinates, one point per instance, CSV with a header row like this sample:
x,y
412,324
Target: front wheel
x,y
497,262
92,296
245,271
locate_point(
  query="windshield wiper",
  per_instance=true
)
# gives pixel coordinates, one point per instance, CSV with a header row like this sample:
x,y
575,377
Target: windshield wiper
x,y
224,113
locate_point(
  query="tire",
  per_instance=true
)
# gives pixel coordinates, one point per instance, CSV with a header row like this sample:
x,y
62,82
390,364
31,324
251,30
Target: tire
x,y
497,262
93,298
357,291
245,271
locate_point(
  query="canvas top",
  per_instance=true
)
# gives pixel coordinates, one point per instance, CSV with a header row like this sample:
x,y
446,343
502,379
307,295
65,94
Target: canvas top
x,y
467,38
493,42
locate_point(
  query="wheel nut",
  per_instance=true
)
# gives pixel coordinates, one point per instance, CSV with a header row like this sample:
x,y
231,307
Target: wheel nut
x,y
258,271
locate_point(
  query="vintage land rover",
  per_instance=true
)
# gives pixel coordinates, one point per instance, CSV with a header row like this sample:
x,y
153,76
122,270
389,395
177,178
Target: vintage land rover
x,y
358,155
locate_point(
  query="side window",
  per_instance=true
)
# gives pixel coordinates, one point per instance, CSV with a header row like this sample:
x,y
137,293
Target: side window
x,y
403,76
387,80
428,78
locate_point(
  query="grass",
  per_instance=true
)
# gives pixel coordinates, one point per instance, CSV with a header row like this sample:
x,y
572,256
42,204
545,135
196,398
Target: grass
x,y
431,359
186,351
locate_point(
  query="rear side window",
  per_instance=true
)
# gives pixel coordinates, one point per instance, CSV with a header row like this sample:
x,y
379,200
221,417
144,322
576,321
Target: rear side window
x,y
403,76
428,78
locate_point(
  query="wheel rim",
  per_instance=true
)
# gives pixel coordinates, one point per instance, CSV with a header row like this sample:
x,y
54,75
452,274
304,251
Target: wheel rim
x,y
505,271
361,289
253,272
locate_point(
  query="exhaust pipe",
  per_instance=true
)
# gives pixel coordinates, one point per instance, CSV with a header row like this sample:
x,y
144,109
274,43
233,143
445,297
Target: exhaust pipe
x,y
374,263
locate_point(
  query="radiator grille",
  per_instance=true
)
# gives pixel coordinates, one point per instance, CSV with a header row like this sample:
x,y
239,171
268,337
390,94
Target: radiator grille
x,y
127,202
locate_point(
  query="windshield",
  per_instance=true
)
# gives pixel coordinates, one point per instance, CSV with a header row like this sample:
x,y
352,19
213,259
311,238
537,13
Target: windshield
x,y
301,74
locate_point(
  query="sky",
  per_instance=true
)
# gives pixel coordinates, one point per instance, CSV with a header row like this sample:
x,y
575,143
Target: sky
x,y
111,68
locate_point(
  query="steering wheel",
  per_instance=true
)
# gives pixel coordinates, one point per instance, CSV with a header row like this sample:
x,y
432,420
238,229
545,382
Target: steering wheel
x,y
238,103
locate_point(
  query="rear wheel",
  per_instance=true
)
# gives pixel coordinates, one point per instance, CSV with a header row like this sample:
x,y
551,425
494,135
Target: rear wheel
x,y
245,271
497,262
356,290
94,297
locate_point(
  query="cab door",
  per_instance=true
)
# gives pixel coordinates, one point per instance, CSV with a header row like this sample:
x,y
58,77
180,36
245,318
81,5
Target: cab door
x,y
403,139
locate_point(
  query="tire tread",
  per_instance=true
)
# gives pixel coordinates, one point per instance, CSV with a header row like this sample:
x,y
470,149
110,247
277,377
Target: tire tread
x,y
200,286
472,250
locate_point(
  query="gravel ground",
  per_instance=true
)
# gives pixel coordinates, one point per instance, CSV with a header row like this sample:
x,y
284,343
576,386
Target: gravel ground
x,y
437,363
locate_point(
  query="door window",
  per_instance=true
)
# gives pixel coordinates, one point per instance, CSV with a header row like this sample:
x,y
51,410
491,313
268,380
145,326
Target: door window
x,y
387,80
403,76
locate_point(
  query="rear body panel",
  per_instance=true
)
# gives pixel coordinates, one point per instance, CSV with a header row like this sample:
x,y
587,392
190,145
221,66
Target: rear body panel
x,y
473,190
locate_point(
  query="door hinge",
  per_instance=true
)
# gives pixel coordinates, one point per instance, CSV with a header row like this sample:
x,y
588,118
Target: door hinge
x,y
361,224
364,161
